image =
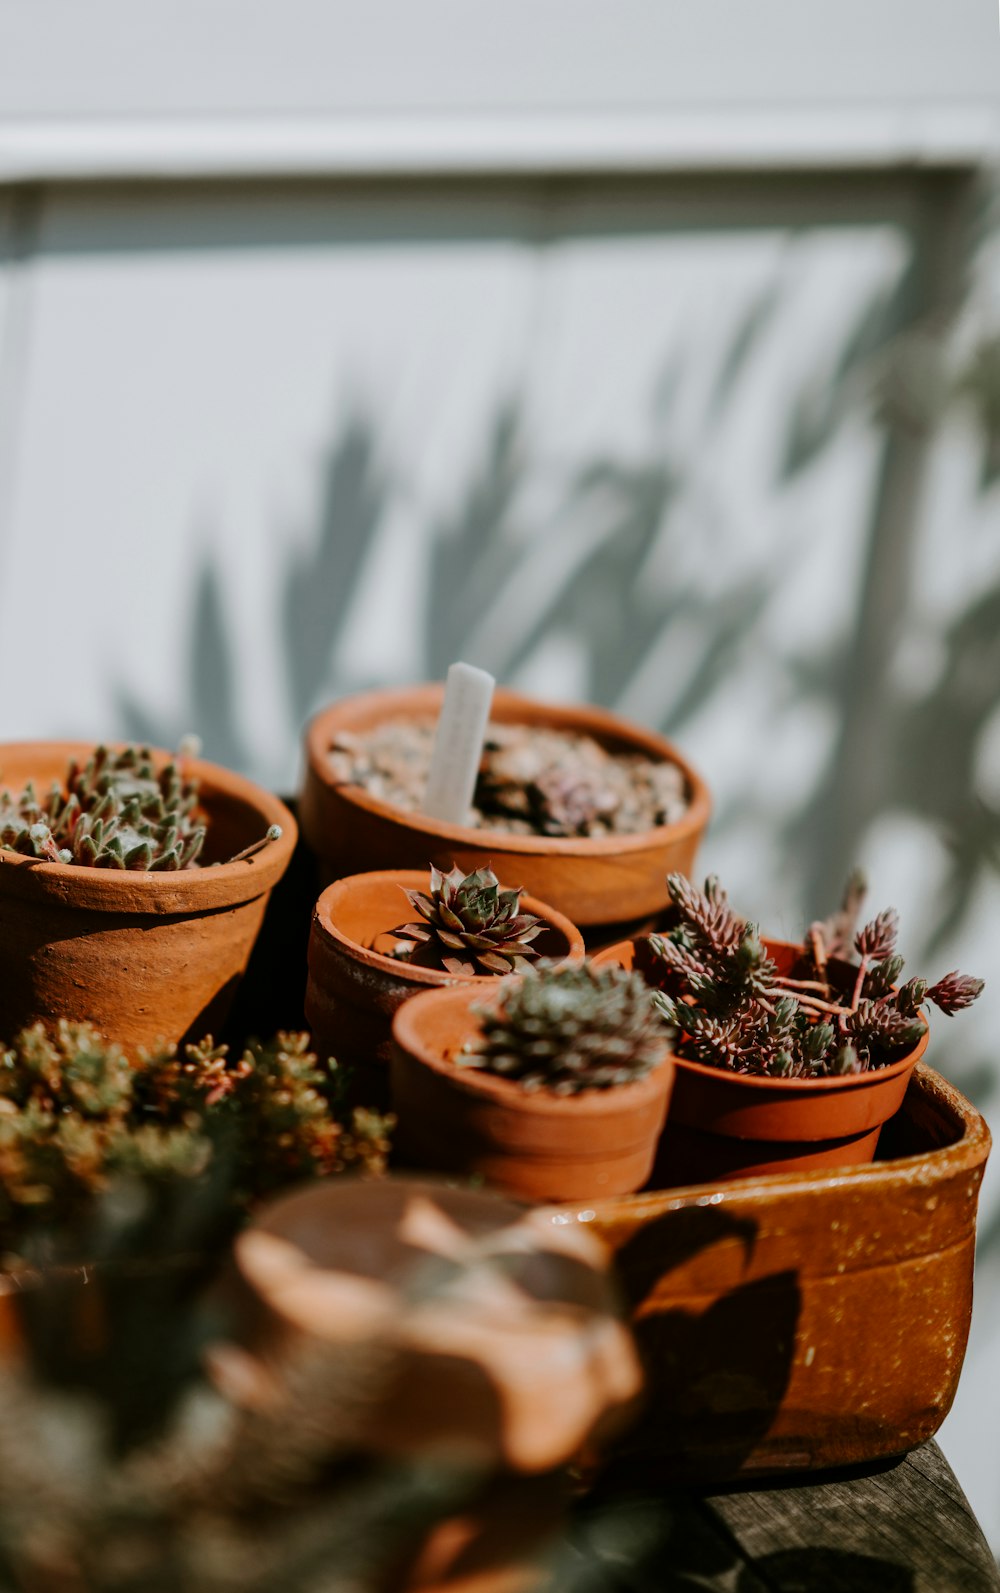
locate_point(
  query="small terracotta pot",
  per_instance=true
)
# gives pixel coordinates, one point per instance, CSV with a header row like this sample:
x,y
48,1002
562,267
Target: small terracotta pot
x,y
732,1125
143,956
532,1143
355,986
612,880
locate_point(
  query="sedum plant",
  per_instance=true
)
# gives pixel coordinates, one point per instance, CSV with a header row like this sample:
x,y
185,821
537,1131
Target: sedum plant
x,y
723,995
75,1115
469,924
115,811
570,1028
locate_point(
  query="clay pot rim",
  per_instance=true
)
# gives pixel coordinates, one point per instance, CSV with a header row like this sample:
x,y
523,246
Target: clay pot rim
x,y
603,725
756,1081
178,890
432,978
475,1081
971,1149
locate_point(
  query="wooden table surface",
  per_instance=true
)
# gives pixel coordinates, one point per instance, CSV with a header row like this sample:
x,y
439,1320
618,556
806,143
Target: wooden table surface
x,y
901,1527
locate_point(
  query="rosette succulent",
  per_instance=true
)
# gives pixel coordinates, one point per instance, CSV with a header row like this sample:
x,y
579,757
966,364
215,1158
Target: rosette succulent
x,y
118,810
724,997
570,1028
468,924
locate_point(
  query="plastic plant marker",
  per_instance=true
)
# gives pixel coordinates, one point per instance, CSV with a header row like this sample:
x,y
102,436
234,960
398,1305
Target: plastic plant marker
x,y
458,743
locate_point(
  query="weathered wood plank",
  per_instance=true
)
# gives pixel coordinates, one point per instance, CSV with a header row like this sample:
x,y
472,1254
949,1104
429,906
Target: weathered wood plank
x,y
907,1527
904,1528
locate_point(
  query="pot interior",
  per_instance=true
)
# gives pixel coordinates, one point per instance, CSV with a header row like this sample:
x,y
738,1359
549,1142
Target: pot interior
x,y
368,907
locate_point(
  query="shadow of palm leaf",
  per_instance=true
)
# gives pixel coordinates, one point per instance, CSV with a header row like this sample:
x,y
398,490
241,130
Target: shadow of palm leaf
x,y
211,696
471,553
320,583
826,398
941,789
604,602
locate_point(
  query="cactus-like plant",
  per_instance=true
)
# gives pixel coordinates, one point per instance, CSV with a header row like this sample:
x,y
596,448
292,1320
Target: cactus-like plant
x,y
469,924
116,811
725,999
75,1114
569,1028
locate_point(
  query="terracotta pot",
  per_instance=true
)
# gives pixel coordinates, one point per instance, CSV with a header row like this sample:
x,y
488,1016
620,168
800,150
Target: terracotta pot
x,y
729,1125
612,880
144,956
532,1143
355,987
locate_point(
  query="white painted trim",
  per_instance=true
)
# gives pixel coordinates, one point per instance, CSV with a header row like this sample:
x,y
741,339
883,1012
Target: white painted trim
x,y
848,137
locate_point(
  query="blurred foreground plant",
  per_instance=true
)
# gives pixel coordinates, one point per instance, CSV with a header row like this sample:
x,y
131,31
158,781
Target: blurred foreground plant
x,y
75,1115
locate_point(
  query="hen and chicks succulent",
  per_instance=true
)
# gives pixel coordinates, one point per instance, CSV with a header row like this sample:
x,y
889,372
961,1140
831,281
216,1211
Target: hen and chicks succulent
x,y
724,996
118,810
468,924
569,1028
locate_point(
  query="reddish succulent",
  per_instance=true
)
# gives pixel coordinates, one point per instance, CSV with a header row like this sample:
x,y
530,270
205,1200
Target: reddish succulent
x,y
723,993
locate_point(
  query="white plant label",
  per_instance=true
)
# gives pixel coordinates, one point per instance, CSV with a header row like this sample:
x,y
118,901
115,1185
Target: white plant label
x,y
458,743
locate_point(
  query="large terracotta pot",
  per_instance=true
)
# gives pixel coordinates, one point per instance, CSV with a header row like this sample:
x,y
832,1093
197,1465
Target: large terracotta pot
x,y
144,956
731,1125
355,987
532,1143
603,882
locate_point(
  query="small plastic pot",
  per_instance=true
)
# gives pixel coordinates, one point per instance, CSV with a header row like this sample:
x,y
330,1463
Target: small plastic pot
x,y
532,1143
732,1125
598,883
355,987
143,956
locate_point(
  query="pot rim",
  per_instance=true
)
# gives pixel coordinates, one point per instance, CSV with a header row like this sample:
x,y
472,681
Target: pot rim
x,y
476,1081
186,890
603,725
432,978
757,1081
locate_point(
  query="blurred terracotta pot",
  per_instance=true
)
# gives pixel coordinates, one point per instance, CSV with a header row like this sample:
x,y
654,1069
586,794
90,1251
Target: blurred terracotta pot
x,y
533,1143
732,1125
355,987
403,1318
617,879
143,956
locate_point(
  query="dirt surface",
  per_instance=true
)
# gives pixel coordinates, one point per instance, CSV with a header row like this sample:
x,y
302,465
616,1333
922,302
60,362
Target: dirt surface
x,y
531,781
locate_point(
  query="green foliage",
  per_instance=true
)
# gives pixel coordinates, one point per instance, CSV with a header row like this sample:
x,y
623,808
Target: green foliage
x,y
570,1028
75,1115
468,925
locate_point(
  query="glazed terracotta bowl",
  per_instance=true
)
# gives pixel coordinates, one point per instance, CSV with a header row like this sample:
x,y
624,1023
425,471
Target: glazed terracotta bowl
x,y
144,956
607,881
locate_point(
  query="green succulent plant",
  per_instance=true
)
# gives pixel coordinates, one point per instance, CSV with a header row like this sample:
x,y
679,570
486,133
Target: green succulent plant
x,y
118,810
75,1115
469,924
569,1028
